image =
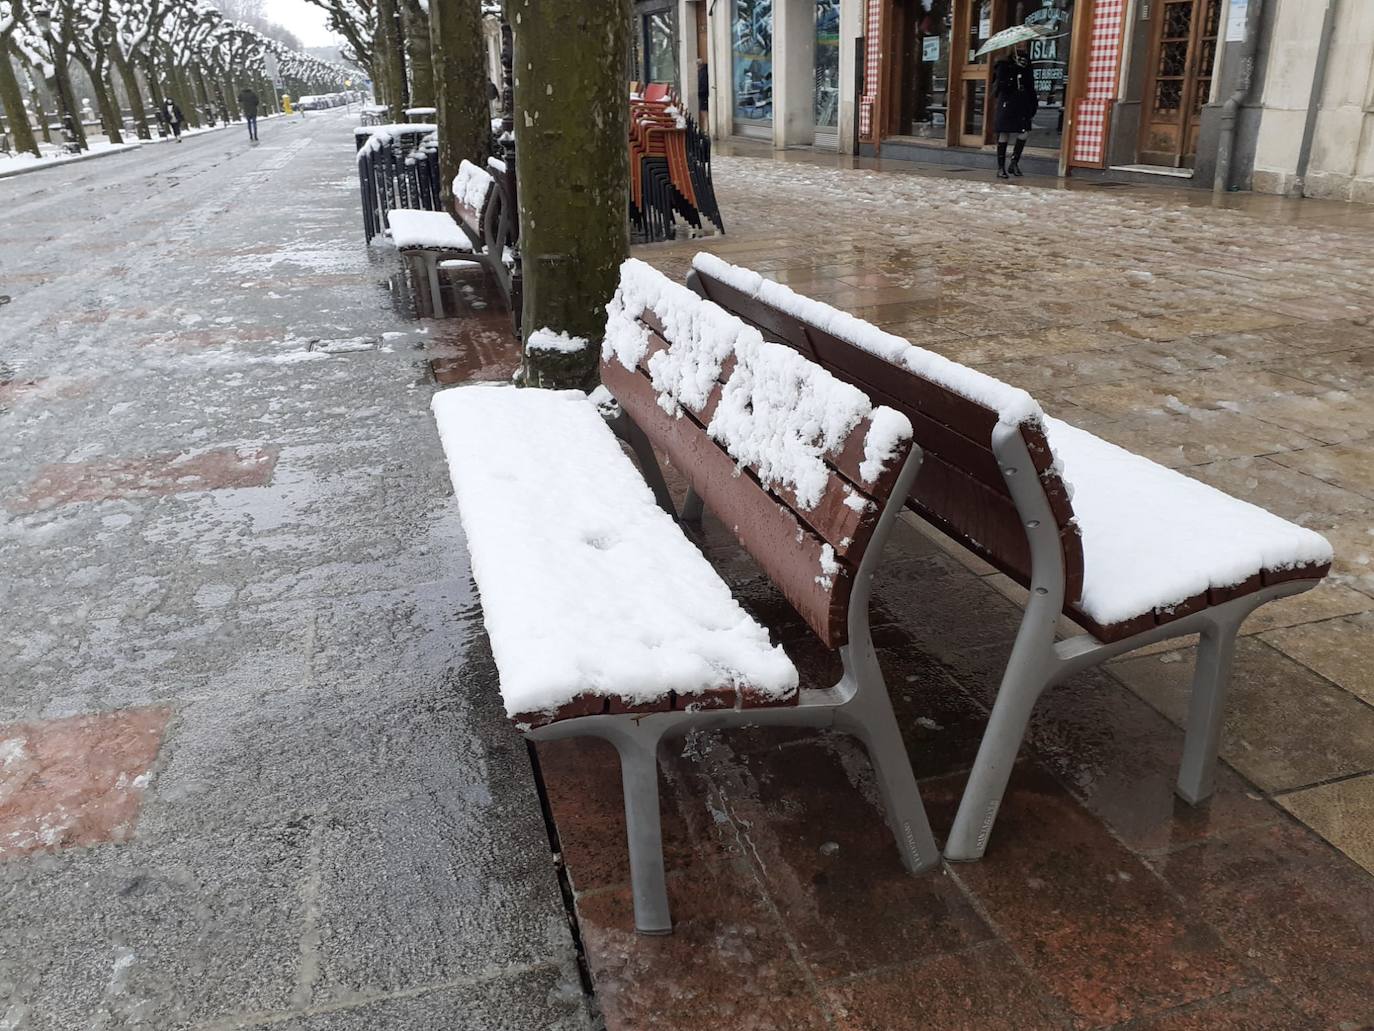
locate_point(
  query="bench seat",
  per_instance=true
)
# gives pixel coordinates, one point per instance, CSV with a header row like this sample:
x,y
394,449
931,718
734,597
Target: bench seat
x,y
426,230
590,596
1155,540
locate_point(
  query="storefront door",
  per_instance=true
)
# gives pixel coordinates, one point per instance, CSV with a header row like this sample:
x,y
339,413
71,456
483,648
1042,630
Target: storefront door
x,y
827,78
751,66
1182,55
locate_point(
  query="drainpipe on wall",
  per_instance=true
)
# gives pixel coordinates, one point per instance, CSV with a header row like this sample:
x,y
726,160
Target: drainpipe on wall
x,y
1314,99
1230,111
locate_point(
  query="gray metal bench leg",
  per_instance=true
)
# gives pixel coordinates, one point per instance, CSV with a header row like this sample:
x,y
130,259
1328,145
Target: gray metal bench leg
x,y
693,509
875,725
987,783
639,776
436,298
649,468
1206,713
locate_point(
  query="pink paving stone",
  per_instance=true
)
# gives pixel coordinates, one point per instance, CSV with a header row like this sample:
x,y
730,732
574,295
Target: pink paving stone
x,y
75,781
102,479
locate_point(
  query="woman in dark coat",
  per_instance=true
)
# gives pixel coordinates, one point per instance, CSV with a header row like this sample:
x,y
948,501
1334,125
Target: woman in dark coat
x,y
1013,86
172,114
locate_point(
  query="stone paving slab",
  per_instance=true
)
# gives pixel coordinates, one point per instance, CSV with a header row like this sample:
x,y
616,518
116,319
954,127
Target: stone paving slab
x,y
222,501
1227,343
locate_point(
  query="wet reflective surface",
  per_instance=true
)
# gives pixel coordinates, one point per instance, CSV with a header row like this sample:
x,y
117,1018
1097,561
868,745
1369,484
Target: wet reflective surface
x,y
222,502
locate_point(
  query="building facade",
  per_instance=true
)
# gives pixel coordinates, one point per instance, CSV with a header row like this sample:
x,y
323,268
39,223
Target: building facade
x,y
1137,88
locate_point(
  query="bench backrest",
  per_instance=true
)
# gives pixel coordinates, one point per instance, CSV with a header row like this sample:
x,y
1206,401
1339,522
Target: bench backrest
x,y
473,190
953,410
799,464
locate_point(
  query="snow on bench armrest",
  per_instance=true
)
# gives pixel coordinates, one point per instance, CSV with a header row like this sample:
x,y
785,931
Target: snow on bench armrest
x,y
778,413
587,586
471,184
1153,537
426,230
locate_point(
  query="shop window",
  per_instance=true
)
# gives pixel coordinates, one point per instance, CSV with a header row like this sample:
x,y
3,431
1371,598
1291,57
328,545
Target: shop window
x,y
751,34
660,47
827,64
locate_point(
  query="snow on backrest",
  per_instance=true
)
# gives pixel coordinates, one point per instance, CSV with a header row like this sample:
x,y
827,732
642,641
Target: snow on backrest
x,y
471,185
1012,405
778,413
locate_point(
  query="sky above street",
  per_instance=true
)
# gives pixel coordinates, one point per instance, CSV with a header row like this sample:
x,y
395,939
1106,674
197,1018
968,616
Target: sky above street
x,y
304,19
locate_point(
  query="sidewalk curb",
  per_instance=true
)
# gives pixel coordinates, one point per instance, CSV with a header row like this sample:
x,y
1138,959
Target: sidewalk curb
x,y
127,148
123,148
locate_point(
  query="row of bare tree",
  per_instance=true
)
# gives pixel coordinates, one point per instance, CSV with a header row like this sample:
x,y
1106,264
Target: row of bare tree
x,y
185,50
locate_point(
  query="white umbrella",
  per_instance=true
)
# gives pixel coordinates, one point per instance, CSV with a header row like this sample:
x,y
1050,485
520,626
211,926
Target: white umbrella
x,y
1010,37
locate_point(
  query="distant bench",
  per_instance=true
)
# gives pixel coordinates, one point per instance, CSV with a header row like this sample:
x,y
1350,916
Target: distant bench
x,y
1129,550
483,229
605,620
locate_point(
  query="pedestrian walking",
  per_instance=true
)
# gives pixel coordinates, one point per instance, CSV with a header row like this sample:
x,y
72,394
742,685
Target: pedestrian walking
x,y
248,101
172,114
1013,84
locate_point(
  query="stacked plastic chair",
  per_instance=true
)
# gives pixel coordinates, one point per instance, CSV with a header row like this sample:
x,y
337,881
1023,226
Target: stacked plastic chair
x,y
670,167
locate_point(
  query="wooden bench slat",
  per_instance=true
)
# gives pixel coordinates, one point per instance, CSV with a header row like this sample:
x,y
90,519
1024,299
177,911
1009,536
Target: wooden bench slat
x,y
784,546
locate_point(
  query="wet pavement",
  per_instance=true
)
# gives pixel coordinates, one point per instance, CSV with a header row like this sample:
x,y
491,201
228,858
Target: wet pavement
x,y
1234,343
254,769
262,776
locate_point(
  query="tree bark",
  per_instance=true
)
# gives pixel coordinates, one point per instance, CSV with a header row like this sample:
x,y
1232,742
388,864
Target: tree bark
x,y
13,99
109,110
66,96
131,87
155,91
571,109
460,86
231,98
392,57
40,114
415,24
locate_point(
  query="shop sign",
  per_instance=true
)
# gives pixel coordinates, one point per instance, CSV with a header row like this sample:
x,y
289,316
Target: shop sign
x,y
930,48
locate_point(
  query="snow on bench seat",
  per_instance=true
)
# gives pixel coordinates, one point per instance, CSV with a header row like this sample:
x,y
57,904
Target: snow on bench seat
x,y
1154,538
588,588
426,230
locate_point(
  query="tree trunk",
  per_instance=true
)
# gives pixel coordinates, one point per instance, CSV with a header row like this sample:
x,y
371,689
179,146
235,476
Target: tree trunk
x,y
460,86
66,100
181,91
415,23
202,94
109,111
13,99
231,99
392,56
155,91
572,107
40,114
131,87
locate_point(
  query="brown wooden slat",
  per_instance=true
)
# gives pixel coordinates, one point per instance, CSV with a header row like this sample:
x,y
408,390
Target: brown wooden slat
x,y
913,391
772,323
787,550
844,528
979,516
1283,576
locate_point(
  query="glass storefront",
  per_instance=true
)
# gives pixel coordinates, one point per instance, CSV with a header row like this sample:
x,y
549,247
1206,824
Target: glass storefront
x,y
827,96
943,86
660,47
751,35
924,100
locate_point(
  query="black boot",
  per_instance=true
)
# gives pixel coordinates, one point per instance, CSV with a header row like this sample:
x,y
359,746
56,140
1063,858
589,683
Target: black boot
x,y
1016,158
1002,161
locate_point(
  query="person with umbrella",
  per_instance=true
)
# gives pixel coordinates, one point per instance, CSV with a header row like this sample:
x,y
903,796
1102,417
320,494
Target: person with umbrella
x,y
1013,90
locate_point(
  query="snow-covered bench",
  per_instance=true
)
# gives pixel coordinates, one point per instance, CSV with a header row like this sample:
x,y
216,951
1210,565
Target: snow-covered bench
x,y
425,238
1129,550
606,620
481,230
